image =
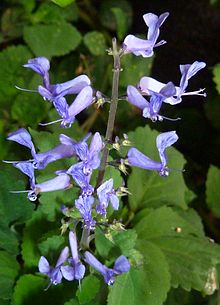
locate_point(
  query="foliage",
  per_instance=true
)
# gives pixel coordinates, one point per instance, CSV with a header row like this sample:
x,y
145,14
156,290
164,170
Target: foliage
x,y
159,227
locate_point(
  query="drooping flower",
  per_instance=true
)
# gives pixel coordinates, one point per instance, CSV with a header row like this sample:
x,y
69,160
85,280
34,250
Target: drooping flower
x,y
106,193
144,47
54,274
151,109
41,65
76,270
84,205
68,113
61,182
148,84
41,160
164,140
121,265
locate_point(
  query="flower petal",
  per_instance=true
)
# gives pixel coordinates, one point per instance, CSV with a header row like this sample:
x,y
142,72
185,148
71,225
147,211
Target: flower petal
x,y
136,158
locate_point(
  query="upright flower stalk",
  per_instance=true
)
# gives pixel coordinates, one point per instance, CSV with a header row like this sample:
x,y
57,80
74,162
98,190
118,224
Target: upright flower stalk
x,y
113,109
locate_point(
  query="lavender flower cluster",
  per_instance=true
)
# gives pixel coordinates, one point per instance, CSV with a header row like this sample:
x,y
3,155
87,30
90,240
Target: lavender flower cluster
x,y
94,201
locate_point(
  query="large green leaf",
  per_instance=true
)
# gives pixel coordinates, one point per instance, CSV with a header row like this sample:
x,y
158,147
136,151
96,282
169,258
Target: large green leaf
x,y
212,190
147,284
52,40
164,221
147,187
11,73
192,258
8,271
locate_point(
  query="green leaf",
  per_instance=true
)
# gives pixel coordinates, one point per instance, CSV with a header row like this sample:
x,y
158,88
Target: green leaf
x,y
29,289
11,72
103,245
134,68
63,3
121,21
147,187
8,272
29,111
147,285
14,209
89,288
51,244
108,17
115,242
52,40
170,224
216,76
32,236
95,42
192,258
48,13
212,190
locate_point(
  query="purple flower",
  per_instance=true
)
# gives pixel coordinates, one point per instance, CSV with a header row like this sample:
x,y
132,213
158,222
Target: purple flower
x,y
121,265
41,65
149,85
54,274
90,157
76,171
144,47
68,113
62,181
76,270
41,160
164,140
151,109
106,193
84,205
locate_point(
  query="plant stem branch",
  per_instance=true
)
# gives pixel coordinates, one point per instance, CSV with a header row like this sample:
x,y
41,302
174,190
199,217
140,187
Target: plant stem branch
x,y
112,110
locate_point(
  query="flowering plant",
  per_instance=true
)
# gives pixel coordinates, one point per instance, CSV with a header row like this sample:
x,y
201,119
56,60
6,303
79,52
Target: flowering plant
x,y
113,207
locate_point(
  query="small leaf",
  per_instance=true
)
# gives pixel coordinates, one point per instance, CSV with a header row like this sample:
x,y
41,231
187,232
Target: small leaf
x,y
52,40
212,190
8,271
63,3
121,21
89,288
95,42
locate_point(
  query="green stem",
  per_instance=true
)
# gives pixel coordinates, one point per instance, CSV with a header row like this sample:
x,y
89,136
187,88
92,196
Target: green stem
x,y
84,242
112,110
